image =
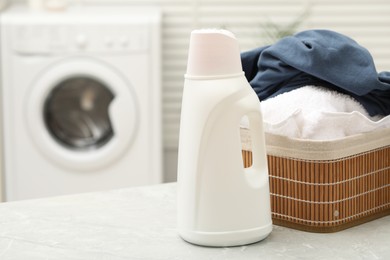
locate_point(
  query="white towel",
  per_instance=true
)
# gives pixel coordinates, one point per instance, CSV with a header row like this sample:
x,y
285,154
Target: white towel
x,y
317,113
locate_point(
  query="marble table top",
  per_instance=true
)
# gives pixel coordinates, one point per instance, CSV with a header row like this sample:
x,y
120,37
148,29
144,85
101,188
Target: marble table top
x,y
140,223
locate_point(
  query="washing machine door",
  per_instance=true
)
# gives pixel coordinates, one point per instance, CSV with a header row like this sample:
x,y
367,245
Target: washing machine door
x,y
82,114
76,113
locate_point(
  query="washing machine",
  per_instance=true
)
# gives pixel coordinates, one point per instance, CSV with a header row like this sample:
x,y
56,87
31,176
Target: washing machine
x,y
81,107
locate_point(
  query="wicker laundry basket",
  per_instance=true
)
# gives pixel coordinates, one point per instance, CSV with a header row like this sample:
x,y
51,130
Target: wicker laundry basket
x,y
327,186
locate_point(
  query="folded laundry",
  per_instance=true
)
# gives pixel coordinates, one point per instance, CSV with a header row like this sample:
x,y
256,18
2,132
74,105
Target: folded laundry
x,y
325,115
321,58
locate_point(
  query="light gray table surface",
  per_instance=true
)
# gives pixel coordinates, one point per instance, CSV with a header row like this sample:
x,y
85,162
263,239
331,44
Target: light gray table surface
x,y
140,223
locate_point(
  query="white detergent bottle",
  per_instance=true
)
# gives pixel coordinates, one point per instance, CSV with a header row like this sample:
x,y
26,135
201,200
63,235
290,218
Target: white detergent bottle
x,y
220,203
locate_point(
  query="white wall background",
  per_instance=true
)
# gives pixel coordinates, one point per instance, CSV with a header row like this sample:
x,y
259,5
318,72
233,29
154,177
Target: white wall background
x,y
368,22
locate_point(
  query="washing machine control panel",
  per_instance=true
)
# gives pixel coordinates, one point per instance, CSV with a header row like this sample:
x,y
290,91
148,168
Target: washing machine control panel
x,y
49,39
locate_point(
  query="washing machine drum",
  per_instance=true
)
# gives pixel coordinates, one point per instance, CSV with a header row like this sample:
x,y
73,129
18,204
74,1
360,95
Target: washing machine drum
x,y
76,113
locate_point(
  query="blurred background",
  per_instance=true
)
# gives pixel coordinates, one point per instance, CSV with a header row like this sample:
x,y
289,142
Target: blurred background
x,y
255,23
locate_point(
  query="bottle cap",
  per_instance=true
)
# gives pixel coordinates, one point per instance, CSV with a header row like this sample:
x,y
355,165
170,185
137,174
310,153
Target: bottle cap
x,y
213,52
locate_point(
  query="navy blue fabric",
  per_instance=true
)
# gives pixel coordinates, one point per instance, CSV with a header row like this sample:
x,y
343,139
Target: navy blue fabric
x,y
321,58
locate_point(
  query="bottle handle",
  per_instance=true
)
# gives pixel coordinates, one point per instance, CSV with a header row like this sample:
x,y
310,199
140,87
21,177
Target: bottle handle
x,y
259,155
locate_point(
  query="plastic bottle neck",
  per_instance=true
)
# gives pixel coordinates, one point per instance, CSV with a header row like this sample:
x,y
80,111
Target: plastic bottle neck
x,y
212,77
